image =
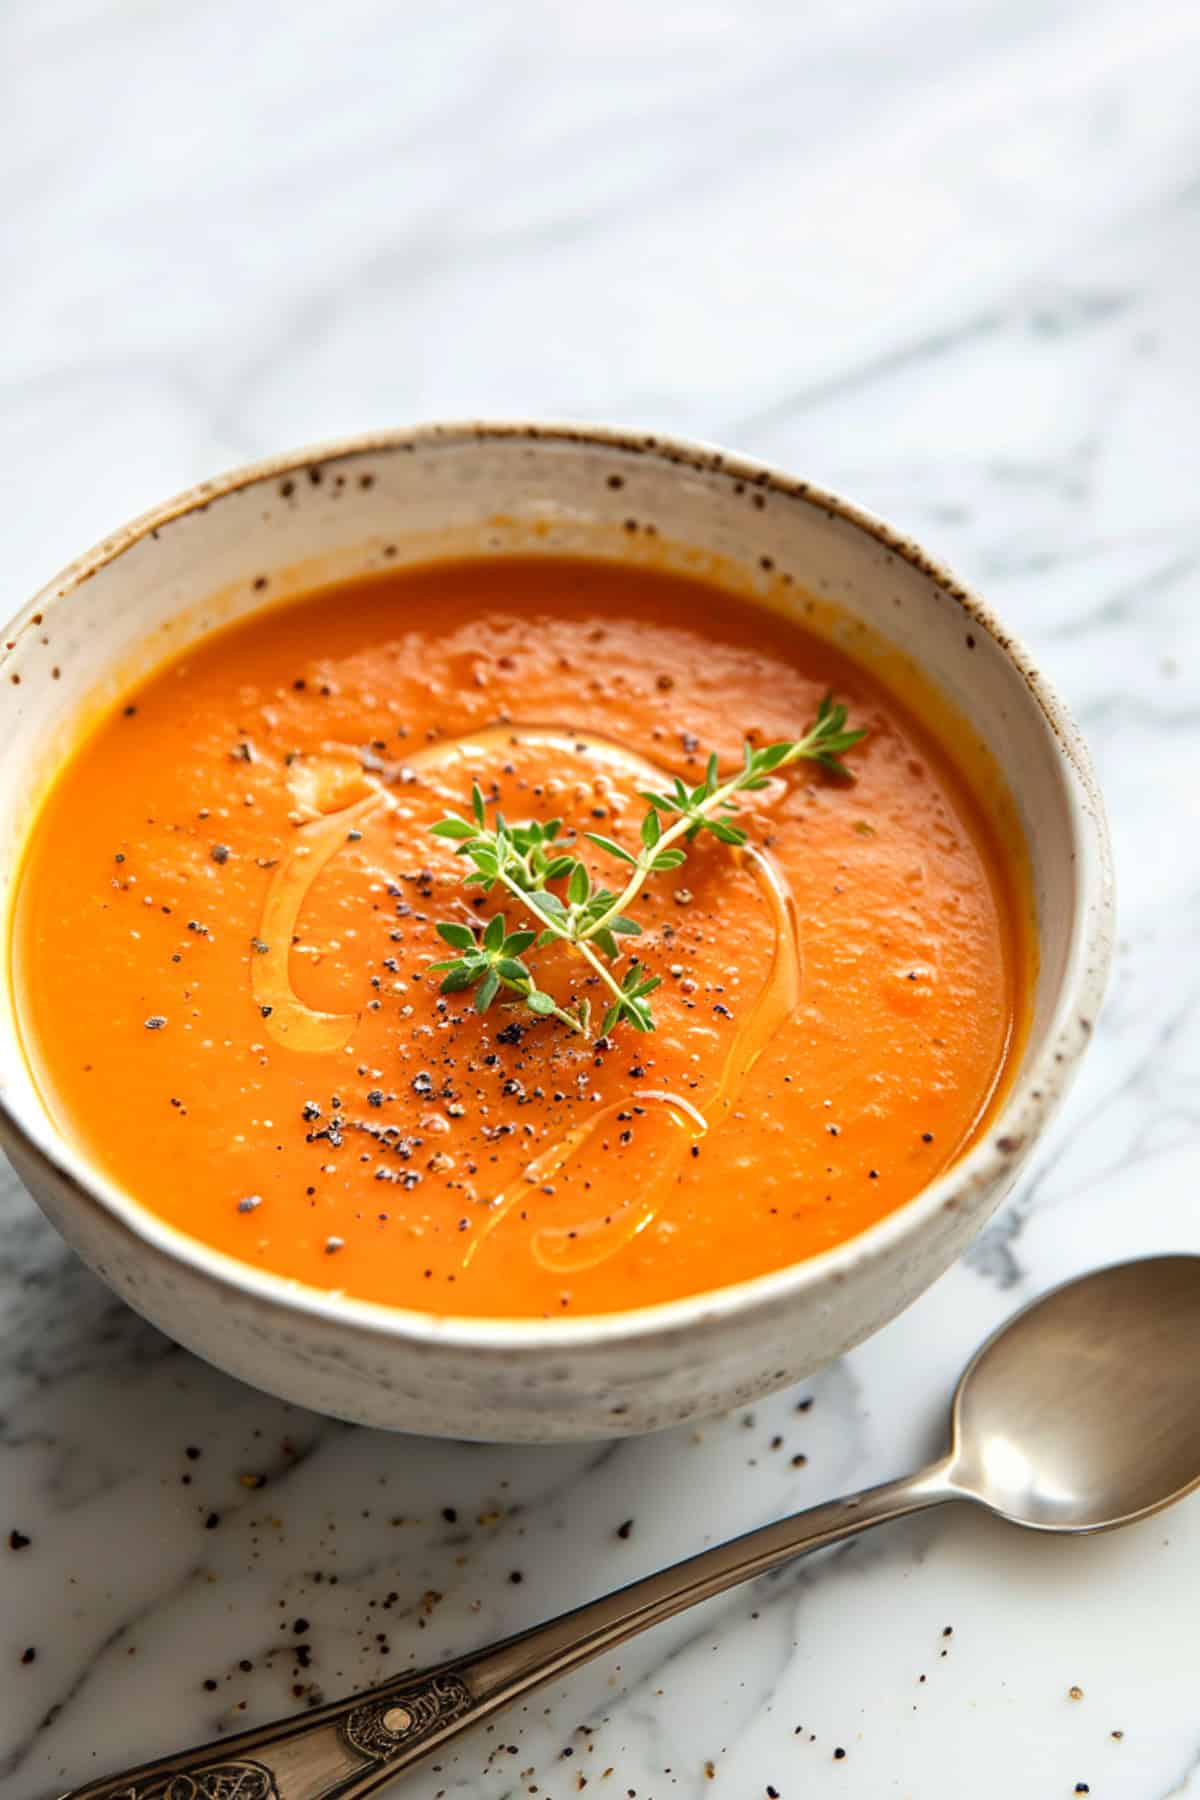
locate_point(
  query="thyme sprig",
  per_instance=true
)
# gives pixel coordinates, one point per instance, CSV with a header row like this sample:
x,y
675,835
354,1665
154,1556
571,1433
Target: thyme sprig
x,y
526,859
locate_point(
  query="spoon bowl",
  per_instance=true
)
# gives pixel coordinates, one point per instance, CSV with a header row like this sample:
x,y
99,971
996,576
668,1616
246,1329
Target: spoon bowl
x,y
1083,1411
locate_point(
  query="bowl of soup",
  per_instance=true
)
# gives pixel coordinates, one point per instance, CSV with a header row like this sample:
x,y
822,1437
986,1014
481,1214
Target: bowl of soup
x,y
531,932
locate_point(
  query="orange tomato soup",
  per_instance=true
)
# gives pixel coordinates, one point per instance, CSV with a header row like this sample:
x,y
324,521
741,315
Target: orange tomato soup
x,y
228,907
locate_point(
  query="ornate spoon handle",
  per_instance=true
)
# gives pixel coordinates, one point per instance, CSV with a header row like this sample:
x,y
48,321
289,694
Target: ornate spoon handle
x,y
347,1749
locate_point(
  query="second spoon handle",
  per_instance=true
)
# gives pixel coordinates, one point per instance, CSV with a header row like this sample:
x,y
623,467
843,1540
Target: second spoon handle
x,y
347,1749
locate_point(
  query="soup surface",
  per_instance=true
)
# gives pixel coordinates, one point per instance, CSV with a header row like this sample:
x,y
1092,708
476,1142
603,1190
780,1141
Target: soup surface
x,y
227,914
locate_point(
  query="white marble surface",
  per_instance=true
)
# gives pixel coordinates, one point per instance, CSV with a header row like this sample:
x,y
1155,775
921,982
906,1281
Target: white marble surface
x,y
943,257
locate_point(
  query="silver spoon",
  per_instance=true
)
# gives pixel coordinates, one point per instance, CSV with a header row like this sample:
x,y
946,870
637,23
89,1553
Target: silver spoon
x,y
1082,1413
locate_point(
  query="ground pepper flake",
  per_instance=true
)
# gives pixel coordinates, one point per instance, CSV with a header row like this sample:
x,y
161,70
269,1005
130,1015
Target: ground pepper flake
x,y
17,1540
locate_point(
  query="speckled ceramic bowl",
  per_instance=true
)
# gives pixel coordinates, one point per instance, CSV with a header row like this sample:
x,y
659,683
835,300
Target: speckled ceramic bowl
x,y
247,539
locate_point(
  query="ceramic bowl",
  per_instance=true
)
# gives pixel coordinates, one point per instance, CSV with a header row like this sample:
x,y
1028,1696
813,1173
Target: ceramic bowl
x,y
254,536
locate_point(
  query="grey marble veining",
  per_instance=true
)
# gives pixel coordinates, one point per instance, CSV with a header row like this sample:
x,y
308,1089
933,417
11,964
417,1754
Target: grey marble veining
x,y
943,258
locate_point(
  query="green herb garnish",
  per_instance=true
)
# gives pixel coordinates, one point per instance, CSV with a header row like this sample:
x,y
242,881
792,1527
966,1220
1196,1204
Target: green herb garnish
x,y
526,859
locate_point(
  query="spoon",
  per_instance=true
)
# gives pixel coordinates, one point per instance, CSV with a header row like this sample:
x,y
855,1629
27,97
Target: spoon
x,y
1080,1414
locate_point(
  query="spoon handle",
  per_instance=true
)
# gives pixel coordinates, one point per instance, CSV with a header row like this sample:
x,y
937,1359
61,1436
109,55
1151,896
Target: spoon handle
x,y
347,1749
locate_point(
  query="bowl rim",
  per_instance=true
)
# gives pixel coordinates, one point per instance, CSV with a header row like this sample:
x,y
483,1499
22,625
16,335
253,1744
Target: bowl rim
x,y
1037,1086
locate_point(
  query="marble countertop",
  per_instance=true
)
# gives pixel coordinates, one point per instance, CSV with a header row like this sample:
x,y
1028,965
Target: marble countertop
x,y
942,258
